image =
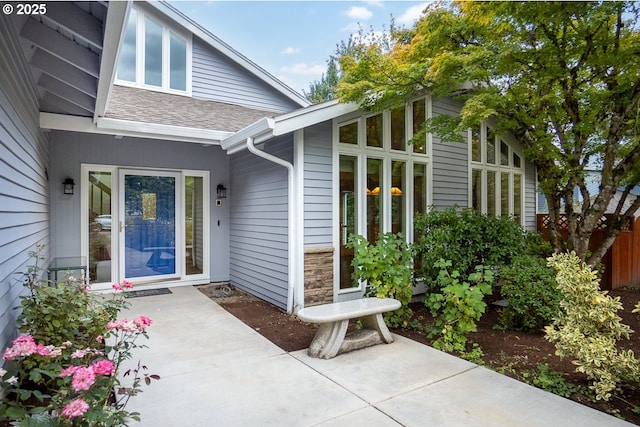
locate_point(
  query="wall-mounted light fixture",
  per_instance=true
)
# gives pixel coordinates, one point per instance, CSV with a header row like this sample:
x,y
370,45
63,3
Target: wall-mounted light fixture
x,y
68,185
221,191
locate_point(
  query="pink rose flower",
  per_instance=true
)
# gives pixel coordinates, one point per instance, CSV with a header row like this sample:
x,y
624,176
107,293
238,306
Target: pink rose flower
x,y
117,286
83,378
24,346
103,367
142,322
75,408
127,284
67,372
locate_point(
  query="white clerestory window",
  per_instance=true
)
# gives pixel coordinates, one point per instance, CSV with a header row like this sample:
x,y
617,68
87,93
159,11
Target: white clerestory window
x,y
153,55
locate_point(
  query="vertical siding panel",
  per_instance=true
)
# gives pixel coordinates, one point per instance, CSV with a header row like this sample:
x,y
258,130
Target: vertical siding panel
x,y
259,223
24,156
216,77
318,186
450,164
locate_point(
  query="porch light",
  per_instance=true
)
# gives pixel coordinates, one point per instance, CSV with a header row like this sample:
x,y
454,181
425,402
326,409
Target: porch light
x,y
221,191
68,185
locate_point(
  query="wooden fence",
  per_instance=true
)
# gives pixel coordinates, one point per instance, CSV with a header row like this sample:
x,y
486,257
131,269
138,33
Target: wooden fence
x,y
622,260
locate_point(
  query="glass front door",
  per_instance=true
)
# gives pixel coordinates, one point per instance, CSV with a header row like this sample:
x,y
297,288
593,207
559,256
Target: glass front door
x,y
148,224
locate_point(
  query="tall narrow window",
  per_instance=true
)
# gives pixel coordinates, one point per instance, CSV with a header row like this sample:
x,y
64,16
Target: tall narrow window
x,y
127,61
419,188
374,131
177,63
99,197
348,217
504,153
152,53
398,178
419,116
504,194
194,224
374,199
491,147
517,198
491,192
398,137
476,190
475,144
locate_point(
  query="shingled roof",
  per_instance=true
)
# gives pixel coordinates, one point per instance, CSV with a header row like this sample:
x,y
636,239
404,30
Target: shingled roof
x,y
141,105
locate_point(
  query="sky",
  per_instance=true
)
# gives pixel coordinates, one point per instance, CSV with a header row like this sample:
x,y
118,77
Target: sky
x,y
293,40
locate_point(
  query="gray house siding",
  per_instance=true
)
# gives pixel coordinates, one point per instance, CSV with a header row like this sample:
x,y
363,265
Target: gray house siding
x,y
24,188
216,78
530,195
69,150
318,186
259,223
450,164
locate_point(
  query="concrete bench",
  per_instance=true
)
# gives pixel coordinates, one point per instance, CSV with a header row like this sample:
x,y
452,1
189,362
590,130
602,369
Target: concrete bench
x,y
332,338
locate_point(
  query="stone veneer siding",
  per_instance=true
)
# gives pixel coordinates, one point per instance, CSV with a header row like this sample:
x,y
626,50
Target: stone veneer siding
x,y
318,276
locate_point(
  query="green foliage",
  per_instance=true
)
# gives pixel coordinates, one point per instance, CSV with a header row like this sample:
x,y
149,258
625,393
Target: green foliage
x,y
467,238
325,89
458,307
387,267
563,78
588,328
546,378
531,289
65,367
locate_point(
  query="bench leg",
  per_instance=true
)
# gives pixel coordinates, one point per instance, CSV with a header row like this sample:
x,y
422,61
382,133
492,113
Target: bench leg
x,y
376,322
328,339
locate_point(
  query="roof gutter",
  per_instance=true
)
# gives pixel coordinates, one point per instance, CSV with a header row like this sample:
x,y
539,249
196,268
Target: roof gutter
x,y
292,245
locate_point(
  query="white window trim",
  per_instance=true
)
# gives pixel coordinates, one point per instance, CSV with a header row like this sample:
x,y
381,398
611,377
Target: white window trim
x,y
362,152
499,169
167,30
115,211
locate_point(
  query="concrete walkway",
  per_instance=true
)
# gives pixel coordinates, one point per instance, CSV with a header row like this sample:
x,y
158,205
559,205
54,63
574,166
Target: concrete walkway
x,y
216,371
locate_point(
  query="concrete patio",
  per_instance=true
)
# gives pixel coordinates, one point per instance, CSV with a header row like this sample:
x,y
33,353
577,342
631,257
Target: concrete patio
x,y
218,371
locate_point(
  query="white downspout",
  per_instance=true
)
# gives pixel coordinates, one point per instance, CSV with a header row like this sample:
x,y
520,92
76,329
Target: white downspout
x,y
292,246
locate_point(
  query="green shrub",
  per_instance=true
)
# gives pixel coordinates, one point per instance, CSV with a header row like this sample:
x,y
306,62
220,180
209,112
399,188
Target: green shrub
x,y
588,328
387,267
458,307
467,238
529,285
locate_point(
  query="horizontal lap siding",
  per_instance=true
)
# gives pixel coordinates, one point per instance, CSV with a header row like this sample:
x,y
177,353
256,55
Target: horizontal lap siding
x,y
24,156
530,196
215,77
450,165
259,223
318,186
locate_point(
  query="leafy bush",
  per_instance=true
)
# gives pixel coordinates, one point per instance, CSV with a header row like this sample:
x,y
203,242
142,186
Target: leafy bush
x,y
387,267
530,287
547,378
467,238
588,328
65,367
458,307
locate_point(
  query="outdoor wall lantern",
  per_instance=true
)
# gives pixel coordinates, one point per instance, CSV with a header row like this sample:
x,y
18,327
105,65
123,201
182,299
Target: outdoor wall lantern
x,y
221,191
68,185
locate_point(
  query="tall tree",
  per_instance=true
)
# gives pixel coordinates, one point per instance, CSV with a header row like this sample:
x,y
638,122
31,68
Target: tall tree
x,y
324,89
564,77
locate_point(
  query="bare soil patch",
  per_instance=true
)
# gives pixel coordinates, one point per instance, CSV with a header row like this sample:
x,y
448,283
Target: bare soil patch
x,y
512,353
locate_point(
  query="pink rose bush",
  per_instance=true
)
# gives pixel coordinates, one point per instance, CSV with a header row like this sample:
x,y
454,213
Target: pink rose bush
x,y
72,383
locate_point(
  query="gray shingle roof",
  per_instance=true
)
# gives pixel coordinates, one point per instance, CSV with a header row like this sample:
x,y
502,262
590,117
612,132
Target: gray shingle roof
x,y
141,105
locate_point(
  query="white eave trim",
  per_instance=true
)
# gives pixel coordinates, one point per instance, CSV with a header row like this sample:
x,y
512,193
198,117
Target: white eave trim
x,y
269,127
117,127
117,13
